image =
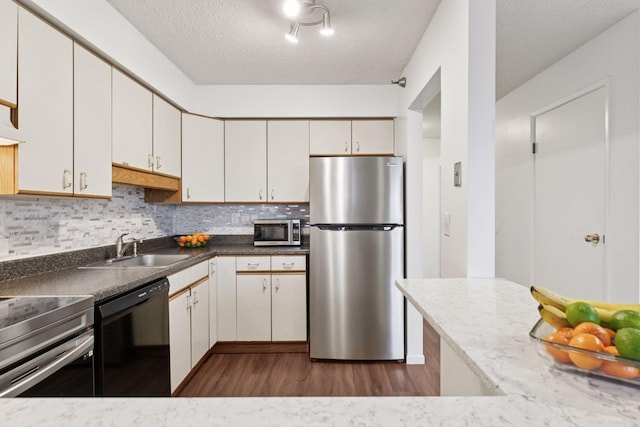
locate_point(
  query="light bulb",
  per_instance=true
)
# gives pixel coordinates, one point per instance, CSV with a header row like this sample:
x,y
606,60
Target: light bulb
x,y
326,25
291,8
292,35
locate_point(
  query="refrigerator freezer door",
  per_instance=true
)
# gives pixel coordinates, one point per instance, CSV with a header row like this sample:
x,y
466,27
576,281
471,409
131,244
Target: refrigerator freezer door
x,y
356,312
356,190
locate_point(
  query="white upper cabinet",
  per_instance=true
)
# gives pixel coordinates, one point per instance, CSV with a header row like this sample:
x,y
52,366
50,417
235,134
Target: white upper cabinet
x,y
245,172
91,124
288,160
132,123
45,67
166,137
372,137
330,137
8,53
351,137
202,159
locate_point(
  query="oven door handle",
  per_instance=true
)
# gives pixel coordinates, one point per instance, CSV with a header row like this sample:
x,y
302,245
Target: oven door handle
x,y
31,373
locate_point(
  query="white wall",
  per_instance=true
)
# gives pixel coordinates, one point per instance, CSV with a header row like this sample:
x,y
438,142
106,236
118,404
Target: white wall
x,y
460,43
296,101
431,207
613,54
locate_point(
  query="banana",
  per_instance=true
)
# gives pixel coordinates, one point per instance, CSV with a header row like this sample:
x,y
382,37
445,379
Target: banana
x,y
555,321
554,302
549,297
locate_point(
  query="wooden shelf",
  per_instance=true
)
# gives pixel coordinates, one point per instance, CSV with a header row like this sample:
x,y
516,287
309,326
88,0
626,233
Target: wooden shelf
x,y
9,169
158,188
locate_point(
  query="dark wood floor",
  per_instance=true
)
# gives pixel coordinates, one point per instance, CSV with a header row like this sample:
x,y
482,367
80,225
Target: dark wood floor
x,y
293,374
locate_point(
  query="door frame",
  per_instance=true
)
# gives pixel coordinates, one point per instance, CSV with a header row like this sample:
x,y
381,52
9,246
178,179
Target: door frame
x,y
601,84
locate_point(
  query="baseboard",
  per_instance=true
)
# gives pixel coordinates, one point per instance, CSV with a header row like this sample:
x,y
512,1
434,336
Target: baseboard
x,y
231,347
415,359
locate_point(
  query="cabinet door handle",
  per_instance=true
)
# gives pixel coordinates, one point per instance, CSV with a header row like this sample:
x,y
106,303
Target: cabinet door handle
x,y
188,193
272,191
260,194
277,285
158,164
358,146
346,146
189,302
83,181
212,268
264,285
66,178
252,265
287,265
150,161
195,297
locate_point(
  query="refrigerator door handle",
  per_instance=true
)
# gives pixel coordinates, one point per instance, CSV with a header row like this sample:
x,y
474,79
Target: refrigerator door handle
x,y
380,227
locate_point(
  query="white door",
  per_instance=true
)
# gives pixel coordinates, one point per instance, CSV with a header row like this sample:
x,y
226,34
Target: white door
x,y
254,307
8,53
213,303
45,67
202,159
199,321
289,307
226,298
288,160
179,338
330,137
570,166
167,135
91,124
245,161
132,123
372,137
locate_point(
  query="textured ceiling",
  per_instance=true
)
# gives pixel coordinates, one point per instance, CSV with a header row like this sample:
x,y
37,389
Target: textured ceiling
x,y
531,35
242,41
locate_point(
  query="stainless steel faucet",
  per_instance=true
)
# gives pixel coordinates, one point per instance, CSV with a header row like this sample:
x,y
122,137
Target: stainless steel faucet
x,y
122,247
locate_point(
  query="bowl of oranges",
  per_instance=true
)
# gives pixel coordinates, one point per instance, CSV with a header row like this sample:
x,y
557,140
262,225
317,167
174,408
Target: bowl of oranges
x,y
195,240
586,349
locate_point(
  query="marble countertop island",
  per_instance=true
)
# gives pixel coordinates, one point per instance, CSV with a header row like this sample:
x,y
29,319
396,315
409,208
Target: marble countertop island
x,y
485,321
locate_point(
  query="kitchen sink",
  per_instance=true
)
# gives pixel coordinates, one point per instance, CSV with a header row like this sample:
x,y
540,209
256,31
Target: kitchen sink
x,y
145,261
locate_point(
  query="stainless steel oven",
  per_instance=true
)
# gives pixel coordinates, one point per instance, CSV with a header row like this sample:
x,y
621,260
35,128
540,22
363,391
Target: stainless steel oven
x,y
277,232
46,347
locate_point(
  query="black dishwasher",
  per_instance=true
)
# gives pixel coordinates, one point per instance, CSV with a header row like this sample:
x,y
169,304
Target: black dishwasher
x,y
132,343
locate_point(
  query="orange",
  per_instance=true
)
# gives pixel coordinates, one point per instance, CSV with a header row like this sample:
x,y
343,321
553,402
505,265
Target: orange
x,y
611,332
200,238
182,239
594,329
181,243
206,237
558,337
618,369
585,342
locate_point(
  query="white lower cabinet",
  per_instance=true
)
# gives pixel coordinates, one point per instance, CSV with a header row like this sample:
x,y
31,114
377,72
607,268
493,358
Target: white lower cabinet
x,y
213,304
266,300
289,307
188,320
254,307
226,298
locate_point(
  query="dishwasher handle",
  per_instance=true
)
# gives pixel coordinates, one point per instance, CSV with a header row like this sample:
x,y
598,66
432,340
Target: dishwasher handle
x,y
31,373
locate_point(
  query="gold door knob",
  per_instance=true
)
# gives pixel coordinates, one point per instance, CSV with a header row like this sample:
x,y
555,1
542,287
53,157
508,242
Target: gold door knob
x,y
592,238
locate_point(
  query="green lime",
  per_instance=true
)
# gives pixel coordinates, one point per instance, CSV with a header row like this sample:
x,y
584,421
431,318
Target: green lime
x,y
579,312
628,343
625,319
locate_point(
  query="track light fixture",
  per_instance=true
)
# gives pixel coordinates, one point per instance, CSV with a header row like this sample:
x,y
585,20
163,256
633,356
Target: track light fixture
x,y
306,13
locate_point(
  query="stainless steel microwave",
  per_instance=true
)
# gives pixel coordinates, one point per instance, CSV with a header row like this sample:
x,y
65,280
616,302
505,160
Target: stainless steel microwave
x,y
277,232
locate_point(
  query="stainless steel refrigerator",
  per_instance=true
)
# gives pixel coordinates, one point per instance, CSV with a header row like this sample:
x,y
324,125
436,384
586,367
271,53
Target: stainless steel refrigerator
x,y
356,254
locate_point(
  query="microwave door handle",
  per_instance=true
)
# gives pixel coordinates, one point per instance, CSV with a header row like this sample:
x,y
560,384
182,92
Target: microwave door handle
x,y
38,374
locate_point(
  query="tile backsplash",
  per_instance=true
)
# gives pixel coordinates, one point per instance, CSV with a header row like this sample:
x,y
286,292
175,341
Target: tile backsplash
x,y
34,225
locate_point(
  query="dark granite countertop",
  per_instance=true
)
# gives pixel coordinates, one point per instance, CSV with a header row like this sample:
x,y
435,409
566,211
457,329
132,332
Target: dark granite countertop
x,y
105,283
